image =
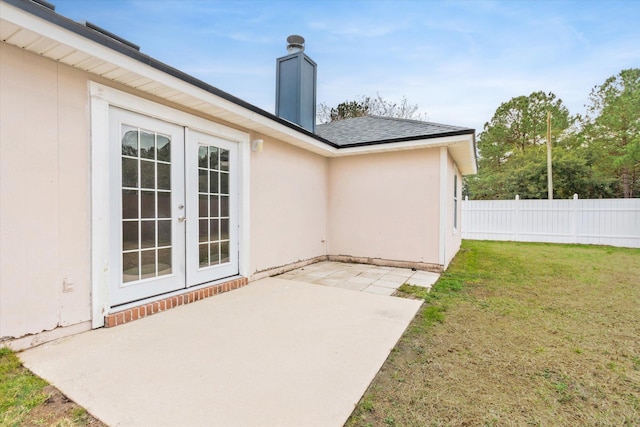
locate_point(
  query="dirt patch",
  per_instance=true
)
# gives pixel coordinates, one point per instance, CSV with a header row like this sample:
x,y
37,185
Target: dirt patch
x,y
59,410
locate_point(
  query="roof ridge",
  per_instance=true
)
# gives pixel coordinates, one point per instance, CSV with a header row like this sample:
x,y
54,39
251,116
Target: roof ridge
x,y
424,122
395,119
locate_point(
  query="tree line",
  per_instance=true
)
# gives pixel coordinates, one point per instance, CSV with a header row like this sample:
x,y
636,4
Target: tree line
x,y
596,155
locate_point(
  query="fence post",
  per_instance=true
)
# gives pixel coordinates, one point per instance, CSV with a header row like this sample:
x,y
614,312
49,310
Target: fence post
x,y
575,218
517,220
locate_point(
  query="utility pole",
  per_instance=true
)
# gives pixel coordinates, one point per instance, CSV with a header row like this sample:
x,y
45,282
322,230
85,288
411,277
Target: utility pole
x,y
549,174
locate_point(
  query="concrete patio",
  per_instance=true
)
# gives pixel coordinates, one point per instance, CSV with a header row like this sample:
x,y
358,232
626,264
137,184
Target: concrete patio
x,y
278,352
361,277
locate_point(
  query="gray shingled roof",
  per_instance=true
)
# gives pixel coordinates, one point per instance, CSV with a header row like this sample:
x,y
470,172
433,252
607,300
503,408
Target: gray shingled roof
x,y
369,130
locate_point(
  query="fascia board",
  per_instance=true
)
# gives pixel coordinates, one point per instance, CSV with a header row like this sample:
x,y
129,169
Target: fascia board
x,y
404,145
466,162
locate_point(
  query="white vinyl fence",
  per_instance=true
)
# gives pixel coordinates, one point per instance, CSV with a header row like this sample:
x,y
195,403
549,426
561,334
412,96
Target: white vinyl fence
x,y
614,222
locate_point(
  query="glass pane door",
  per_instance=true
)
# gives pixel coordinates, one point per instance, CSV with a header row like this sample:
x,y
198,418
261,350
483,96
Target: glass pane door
x,y
213,206
212,248
147,208
146,204
174,207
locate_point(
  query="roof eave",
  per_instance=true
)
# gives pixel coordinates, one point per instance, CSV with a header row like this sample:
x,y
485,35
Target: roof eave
x,y
410,138
40,30
460,147
29,26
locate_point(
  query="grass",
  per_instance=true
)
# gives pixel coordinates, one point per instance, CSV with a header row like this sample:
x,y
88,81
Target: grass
x,y
27,400
518,334
20,391
513,334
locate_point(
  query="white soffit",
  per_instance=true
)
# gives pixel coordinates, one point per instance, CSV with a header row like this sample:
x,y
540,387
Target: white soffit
x,y
29,32
37,35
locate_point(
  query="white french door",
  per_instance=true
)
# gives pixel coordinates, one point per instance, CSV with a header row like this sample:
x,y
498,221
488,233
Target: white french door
x,y
212,220
174,207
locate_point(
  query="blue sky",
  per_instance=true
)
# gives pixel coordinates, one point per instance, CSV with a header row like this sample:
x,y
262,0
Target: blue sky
x,y
458,60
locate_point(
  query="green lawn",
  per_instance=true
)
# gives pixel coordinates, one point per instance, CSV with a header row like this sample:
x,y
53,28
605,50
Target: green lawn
x,y
20,391
26,400
518,334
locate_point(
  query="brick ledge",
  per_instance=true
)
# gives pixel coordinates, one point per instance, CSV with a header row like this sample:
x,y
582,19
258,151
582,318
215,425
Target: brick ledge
x,y
131,314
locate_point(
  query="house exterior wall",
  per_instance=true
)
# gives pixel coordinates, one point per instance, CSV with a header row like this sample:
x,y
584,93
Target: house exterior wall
x,y
288,205
453,234
385,206
44,194
302,205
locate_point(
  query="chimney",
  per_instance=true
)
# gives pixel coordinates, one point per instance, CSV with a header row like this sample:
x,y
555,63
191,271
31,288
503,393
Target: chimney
x,y
296,85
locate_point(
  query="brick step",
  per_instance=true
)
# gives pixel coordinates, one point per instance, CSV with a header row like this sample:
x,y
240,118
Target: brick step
x,y
131,314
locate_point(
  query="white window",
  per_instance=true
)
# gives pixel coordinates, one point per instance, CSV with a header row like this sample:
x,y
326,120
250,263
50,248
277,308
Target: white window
x,y
455,201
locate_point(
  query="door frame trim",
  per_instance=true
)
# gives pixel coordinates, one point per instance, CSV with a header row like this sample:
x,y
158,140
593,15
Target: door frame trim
x,y
101,98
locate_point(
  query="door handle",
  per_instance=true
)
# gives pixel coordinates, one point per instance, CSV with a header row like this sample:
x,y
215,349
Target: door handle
x,y
181,219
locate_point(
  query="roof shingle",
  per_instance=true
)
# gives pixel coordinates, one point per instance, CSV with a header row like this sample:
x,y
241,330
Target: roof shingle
x,y
369,130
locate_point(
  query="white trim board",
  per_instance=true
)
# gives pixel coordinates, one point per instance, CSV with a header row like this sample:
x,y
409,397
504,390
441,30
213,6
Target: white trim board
x,y
442,236
458,197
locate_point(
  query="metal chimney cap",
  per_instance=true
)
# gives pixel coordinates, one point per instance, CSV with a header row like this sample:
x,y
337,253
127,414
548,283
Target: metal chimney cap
x,y
295,44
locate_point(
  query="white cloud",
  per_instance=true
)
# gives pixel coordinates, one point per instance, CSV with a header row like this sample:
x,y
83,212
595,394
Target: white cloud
x,y
458,60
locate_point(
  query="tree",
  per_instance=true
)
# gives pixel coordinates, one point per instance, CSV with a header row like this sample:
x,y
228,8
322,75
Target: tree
x,y
369,106
612,129
520,124
512,148
526,176
348,110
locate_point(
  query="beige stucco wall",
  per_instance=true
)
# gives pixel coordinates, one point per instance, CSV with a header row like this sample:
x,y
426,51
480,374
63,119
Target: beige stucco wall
x,y
288,205
44,194
385,206
302,205
453,236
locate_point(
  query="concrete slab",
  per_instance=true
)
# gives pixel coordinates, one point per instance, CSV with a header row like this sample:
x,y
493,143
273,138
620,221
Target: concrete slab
x,y
424,279
349,276
319,273
373,289
342,284
394,279
387,284
274,353
402,272
292,275
372,275
358,279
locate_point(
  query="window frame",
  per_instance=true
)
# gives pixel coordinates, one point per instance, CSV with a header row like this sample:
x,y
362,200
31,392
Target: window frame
x,y
455,200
